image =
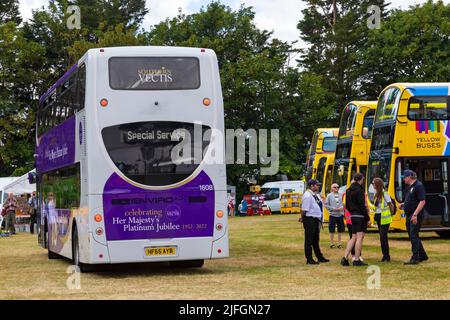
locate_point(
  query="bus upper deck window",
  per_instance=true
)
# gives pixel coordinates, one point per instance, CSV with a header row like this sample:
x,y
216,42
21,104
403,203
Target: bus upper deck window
x,y
429,108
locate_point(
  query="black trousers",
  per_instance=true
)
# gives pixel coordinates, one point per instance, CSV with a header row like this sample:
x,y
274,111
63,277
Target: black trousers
x,y
418,252
32,220
312,232
384,240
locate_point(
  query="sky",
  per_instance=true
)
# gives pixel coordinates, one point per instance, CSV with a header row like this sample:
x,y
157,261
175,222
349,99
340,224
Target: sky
x,y
279,16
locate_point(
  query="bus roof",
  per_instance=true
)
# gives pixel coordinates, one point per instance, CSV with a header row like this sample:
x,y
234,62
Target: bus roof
x,y
370,104
128,51
330,131
163,50
423,89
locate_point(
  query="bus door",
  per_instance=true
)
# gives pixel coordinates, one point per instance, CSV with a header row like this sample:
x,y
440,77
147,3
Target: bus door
x,y
328,179
445,193
433,173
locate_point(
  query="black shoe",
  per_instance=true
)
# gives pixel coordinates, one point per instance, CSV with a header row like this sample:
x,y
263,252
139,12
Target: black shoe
x,y
323,259
359,263
412,261
386,259
311,262
423,259
344,262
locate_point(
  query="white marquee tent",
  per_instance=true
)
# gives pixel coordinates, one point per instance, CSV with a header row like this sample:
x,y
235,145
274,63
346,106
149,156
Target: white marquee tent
x,y
20,185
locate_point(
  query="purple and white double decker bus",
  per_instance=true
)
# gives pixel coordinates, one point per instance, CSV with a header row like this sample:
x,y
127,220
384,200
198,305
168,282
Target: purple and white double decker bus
x,y
130,159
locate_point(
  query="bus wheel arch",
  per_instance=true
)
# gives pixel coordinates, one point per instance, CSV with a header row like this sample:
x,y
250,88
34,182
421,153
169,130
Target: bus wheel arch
x,y
75,246
76,251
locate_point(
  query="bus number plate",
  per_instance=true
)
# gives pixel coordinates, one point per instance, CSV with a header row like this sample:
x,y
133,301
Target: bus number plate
x,y
160,251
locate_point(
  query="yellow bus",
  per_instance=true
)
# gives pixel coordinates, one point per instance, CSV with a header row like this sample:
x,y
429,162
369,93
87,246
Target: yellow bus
x,y
412,131
320,159
323,144
353,144
324,176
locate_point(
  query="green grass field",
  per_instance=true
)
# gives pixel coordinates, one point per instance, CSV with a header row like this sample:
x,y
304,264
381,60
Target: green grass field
x,y
266,262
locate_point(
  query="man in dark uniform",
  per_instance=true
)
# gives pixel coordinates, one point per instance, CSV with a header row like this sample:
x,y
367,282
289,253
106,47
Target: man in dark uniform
x,y
413,207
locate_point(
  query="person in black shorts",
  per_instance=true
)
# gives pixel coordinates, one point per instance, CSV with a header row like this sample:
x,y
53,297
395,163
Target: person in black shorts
x,y
334,205
355,202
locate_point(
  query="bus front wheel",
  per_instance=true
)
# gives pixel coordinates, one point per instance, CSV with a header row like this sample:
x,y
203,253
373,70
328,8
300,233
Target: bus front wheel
x,y
444,234
187,264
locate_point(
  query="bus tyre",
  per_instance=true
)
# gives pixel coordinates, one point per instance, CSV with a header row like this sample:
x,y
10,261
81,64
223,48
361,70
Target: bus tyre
x,y
45,240
187,264
76,253
444,234
52,255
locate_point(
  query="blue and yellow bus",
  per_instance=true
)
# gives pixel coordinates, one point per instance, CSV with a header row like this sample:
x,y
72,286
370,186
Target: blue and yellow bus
x,y
412,131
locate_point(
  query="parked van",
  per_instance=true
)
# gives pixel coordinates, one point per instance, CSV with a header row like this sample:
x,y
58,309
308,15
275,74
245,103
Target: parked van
x,y
272,192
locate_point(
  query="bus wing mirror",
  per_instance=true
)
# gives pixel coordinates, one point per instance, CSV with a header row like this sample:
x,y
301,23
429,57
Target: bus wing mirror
x,y
32,177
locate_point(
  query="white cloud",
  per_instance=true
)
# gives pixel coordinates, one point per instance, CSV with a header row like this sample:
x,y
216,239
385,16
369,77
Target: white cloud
x,y
402,4
280,16
161,9
26,7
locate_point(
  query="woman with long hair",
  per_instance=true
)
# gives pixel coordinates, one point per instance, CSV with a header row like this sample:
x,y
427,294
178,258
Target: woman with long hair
x,y
383,218
355,203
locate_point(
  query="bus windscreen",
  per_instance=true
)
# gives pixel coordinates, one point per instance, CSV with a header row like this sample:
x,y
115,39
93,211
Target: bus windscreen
x,y
154,73
348,120
388,105
144,151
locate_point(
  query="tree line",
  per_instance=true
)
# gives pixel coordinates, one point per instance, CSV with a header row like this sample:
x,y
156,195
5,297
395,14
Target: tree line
x,y
267,83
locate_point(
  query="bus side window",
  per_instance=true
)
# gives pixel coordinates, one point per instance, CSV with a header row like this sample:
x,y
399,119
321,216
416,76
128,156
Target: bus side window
x,y
399,184
329,179
71,96
416,111
368,124
49,117
81,88
363,169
